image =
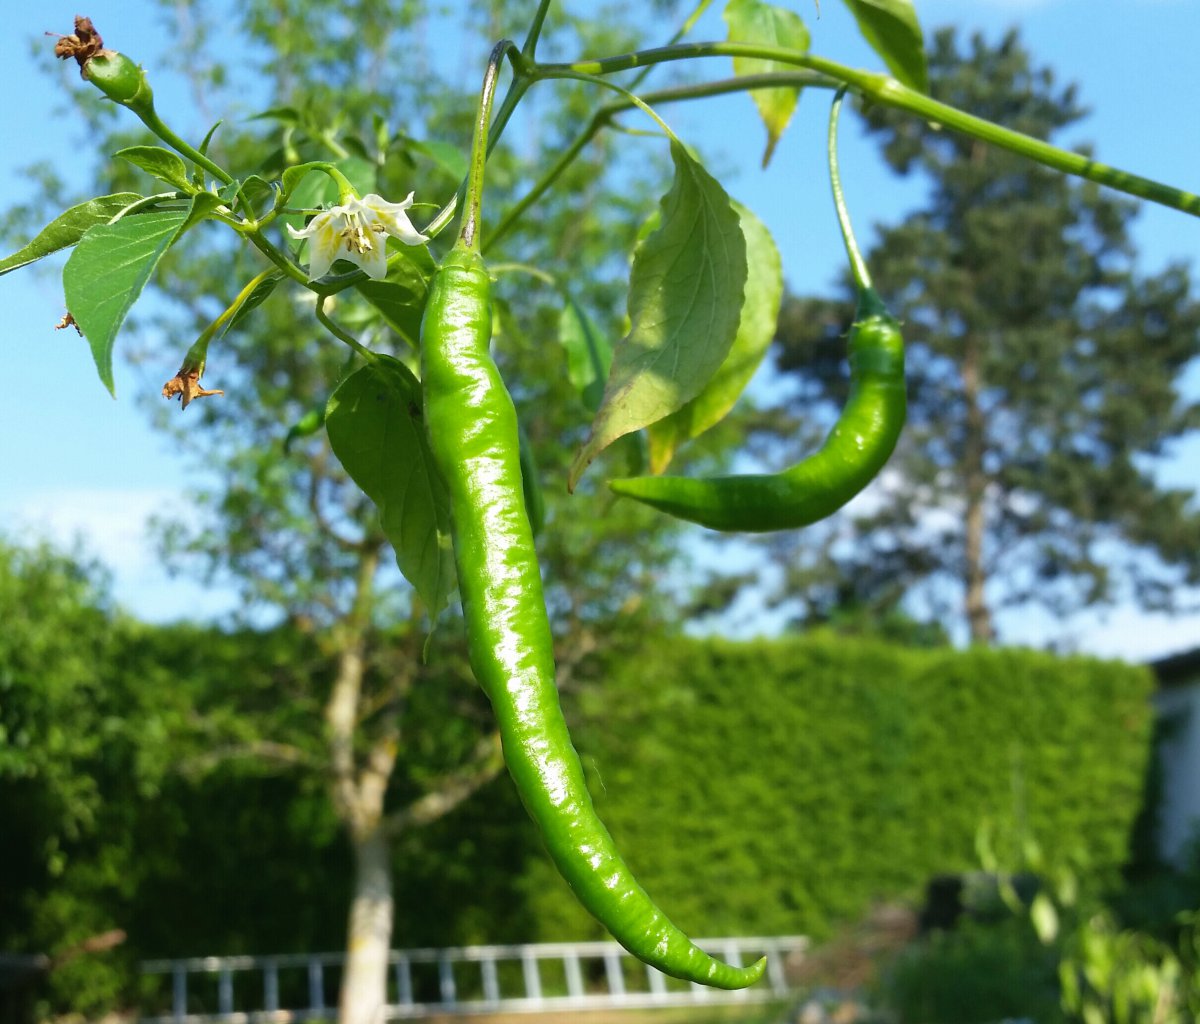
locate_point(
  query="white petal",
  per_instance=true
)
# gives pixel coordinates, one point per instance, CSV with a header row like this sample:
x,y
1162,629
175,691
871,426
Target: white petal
x,y
313,226
320,260
373,261
371,201
393,218
324,248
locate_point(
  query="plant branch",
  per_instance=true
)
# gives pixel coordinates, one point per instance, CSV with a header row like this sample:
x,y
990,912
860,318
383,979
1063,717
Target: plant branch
x,y
452,789
604,115
283,754
885,90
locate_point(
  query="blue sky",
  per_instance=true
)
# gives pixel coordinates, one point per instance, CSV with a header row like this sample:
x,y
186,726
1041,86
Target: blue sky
x,y
76,464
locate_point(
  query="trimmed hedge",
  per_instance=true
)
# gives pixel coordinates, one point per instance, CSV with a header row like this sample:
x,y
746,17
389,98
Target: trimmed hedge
x,y
780,787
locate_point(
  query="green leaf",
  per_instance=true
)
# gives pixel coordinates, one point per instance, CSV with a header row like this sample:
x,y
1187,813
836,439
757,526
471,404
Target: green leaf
x,y
305,426
288,115
756,329
374,425
68,227
159,163
258,295
892,29
256,195
204,205
448,157
107,272
752,21
208,137
400,297
589,353
685,298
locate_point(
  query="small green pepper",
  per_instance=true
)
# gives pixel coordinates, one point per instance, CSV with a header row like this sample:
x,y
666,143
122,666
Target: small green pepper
x,y
120,79
474,438
855,451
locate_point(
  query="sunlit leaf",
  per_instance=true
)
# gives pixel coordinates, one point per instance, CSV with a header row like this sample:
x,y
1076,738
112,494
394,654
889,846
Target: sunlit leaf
x,y
752,21
107,272
68,227
159,163
685,298
892,29
760,311
1044,918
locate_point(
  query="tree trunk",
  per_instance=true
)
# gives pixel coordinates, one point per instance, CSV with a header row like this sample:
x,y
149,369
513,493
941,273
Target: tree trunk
x,y
369,936
979,616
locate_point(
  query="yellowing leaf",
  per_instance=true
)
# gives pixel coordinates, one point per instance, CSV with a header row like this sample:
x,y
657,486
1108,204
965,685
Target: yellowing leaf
x,y
752,21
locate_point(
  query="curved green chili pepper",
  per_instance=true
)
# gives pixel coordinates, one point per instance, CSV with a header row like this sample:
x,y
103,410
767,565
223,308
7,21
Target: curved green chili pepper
x,y
473,433
855,451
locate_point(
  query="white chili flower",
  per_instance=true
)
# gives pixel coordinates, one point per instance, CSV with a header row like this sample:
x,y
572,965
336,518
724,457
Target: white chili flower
x,y
357,230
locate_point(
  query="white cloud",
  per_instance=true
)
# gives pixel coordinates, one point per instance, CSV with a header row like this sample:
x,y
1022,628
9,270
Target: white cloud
x,y
1125,632
112,525
109,524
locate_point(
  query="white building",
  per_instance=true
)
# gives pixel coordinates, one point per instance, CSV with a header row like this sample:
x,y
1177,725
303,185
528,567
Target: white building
x,y
1177,702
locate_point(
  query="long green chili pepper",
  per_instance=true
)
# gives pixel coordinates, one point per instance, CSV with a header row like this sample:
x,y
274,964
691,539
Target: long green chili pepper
x,y
856,449
472,428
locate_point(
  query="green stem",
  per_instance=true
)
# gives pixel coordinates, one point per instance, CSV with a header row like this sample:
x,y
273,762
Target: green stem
x,y
548,178
197,355
340,333
601,118
512,97
472,218
500,269
882,89
683,30
155,123
535,30
345,189
264,245
148,201
630,98
858,266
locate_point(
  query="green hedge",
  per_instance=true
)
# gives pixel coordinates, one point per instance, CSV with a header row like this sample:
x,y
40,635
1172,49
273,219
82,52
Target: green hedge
x,y
780,787
765,788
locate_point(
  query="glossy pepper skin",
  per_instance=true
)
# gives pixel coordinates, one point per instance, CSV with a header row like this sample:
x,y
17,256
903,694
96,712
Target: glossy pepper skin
x,y
472,427
856,449
475,443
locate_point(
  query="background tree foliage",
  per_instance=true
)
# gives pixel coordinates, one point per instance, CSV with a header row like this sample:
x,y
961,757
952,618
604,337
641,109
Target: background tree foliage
x,y
794,782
